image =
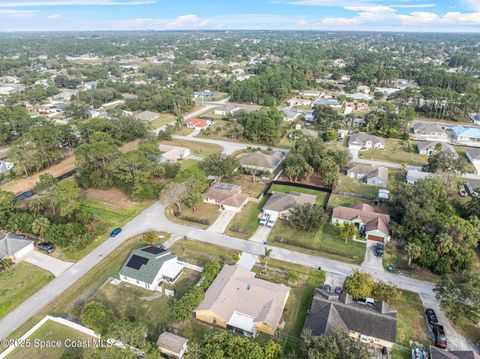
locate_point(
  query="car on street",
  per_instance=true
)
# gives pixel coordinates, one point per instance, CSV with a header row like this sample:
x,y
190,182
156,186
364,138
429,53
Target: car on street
x,y
439,336
115,232
46,247
379,248
431,316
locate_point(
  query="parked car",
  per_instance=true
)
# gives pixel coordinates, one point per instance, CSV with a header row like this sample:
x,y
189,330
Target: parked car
x,y
379,248
46,247
431,316
338,290
366,301
327,287
271,221
264,219
419,353
439,335
115,232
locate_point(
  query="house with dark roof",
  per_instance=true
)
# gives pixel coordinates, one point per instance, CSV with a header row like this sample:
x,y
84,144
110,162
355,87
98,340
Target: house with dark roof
x,y
226,196
259,161
374,225
372,175
150,267
473,155
428,130
429,147
172,345
281,204
147,116
15,247
437,353
375,325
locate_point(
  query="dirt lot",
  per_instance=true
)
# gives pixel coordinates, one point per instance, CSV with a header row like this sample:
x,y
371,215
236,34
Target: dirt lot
x,y
24,184
112,198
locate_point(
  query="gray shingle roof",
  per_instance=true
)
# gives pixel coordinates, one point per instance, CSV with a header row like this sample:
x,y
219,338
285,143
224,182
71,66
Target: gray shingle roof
x,y
11,244
280,201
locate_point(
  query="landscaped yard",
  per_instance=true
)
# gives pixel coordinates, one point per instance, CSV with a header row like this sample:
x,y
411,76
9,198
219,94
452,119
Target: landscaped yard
x,y
249,187
200,253
245,223
50,332
395,152
20,282
351,185
325,242
321,196
202,217
196,148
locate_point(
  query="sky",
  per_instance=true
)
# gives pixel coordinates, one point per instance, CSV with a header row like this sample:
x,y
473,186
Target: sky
x,y
327,15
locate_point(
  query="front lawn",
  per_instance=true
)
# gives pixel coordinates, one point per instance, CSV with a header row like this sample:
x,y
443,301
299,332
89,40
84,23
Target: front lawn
x,y
19,283
200,253
395,152
321,196
351,185
199,149
245,223
324,243
203,217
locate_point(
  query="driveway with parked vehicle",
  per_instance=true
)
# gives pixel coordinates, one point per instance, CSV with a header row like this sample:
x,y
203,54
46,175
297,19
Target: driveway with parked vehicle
x,y
373,255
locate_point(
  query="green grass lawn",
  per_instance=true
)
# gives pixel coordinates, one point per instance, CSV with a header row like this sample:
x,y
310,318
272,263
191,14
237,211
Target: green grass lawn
x,y
468,328
196,148
325,242
395,152
205,213
162,120
199,253
49,332
337,200
20,282
348,184
245,223
321,196
188,163
249,187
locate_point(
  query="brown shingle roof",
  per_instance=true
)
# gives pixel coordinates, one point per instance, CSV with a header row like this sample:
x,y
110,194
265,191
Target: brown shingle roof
x,y
226,194
260,159
365,213
171,342
280,201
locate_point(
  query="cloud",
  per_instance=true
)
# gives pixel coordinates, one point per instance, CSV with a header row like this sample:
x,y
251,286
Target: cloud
x,y
18,13
54,16
186,21
16,4
474,4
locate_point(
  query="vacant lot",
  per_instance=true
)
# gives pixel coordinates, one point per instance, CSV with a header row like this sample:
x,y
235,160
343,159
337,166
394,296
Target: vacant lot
x,y
20,282
200,253
52,331
325,242
162,120
245,223
321,196
395,152
202,217
196,148
351,185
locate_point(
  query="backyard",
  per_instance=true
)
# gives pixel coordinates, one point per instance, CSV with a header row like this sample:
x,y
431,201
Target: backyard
x,y
395,152
245,223
250,188
325,242
338,200
351,185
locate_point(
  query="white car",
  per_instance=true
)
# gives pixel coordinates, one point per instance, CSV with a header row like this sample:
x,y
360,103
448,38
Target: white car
x,y
271,221
366,301
264,220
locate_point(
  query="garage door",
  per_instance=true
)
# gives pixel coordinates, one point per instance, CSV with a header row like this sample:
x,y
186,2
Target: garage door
x,y
375,238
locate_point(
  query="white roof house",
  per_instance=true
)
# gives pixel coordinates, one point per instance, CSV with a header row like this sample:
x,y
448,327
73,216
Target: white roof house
x,y
5,166
413,176
174,153
15,247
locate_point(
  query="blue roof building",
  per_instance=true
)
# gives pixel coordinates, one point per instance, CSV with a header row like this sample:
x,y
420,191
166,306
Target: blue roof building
x,y
466,133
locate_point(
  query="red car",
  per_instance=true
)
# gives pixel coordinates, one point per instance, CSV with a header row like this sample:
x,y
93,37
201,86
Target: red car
x,y
439,335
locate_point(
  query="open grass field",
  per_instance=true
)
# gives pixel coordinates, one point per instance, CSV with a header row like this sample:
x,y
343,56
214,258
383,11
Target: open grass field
x,y
188,163
245,223
321,196
200,253
163,119
203,217
395,152
20,282
49,332
324,243
196,148
348,184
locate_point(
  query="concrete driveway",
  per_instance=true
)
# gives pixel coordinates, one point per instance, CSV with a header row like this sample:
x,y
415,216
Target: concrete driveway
x,y
247,260
371,260
222,221
261,234
54,265
335,280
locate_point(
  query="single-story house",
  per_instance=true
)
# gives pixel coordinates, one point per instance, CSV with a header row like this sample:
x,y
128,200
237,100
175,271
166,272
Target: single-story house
x,y
295,101
309,117
473,156
374,225
437,353
328,102
373,175
238,301
430,130
375,325
428,148
227,109
310,93
146,116
280,204
204,94
149,267
466,134
260,161
290,115
174,153
473,187
198,123
413,176
15,247
357,106
365,141
225,195
172,345
5,166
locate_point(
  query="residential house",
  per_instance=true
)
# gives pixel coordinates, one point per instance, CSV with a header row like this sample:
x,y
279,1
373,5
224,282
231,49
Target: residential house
x,y
373,175
374,225
365,141
473,154
15,247
147,116
226,196
290,115
328,102
259,161
374,325
466,134
281,204
413,176
149,267
172,345
238,301
111,105
437,353
198,123
429,147
387,91
356,106
206,95
428,130
5,166
360,96
295,101
309,117
364,89
174,153
65,95
227,109
473,187
310,93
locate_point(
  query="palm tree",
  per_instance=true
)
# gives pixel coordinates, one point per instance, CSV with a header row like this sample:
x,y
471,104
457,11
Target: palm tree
x,y
445,243
413,251
39,226
265,257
